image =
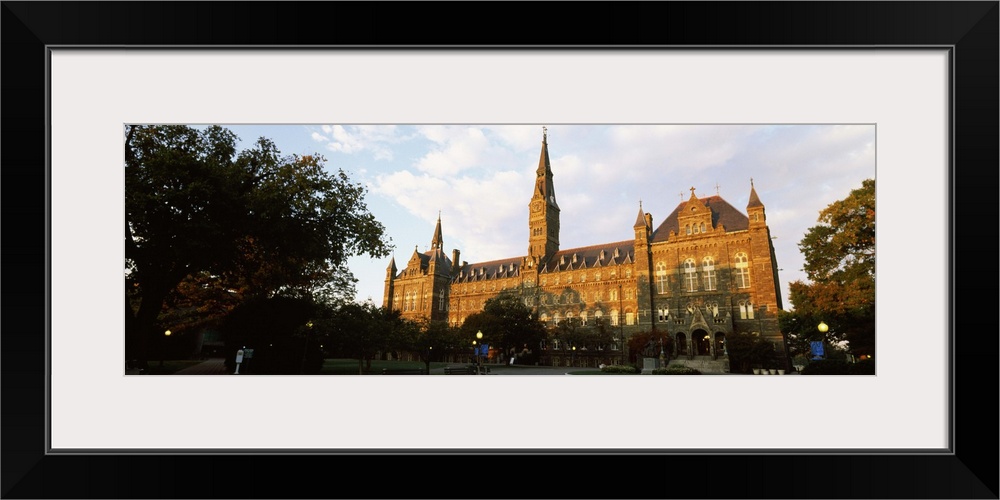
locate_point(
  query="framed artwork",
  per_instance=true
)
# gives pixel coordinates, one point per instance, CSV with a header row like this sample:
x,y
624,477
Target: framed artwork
x,y
919,77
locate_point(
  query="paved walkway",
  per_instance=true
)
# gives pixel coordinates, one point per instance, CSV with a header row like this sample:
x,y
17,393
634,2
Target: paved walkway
x,y
212,366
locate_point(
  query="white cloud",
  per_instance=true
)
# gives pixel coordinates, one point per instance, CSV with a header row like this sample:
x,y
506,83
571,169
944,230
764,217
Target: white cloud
x,y
351,139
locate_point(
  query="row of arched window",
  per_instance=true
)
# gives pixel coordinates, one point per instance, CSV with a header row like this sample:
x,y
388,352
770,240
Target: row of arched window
x,y
708,278
613,317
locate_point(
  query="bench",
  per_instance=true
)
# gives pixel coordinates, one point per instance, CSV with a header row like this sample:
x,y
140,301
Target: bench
x,y
403,371
460,370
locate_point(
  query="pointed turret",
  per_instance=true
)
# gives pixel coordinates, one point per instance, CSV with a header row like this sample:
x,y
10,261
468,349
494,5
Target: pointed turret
x,y
754,200
437,242
640,221
390,285
755,209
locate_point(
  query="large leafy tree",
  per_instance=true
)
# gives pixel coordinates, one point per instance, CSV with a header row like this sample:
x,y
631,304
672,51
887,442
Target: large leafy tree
x,y
255,223
433,341
506,323
840,266
363,330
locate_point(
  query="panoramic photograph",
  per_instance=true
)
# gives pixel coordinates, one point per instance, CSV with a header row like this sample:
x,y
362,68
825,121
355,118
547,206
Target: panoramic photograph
x,y
527,249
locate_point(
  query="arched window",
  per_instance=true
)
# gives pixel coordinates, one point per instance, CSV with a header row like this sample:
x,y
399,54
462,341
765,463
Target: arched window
x,y
613,294
708,267
688,228
556,319
441,301
583,318
544,318
703,227
746,309
690,276
742,271
614,317
598,314
629,317
663,313
661,277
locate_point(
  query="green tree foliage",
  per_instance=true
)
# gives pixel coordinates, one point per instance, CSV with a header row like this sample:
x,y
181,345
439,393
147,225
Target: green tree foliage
x,y
280,332
433,341
840,266
255,222
361,331
747,351
506,323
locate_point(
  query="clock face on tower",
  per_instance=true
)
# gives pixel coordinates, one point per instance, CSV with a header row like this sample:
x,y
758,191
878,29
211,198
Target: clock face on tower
x,y
536,206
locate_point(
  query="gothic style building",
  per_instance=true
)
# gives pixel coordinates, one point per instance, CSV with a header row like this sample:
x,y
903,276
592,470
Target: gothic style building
x,y
707,270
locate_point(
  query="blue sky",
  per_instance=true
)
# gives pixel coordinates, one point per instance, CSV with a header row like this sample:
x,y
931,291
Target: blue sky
x,y
480,178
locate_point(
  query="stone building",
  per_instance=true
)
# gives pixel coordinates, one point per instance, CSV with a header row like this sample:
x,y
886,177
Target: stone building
x,y
707,270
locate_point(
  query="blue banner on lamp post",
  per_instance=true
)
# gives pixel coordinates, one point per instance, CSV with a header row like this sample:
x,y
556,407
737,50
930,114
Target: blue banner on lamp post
x,y
816,347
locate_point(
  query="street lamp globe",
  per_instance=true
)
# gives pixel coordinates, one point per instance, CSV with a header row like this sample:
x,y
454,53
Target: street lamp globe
x,y
479,334
822,327
167,333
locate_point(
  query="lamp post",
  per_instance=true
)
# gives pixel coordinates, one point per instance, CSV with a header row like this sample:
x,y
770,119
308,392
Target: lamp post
x,y
572,359
817,347
164,346
621,327
479,364
305,347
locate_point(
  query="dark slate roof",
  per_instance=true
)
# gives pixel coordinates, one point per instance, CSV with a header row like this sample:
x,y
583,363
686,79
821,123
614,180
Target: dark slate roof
x,y
494,269
587,257
722,213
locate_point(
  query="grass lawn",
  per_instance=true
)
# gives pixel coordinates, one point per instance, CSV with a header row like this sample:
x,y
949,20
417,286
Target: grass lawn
x,y
341,366
171,366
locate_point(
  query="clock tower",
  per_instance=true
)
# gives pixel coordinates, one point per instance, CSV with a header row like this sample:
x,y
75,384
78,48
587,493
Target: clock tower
x,y
543,218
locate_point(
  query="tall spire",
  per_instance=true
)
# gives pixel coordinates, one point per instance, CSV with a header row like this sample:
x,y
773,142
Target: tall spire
x,y
437,241
544,187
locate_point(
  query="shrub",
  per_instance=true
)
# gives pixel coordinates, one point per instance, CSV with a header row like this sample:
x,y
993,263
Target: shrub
x,y
676,370
863,367
827,367
625,369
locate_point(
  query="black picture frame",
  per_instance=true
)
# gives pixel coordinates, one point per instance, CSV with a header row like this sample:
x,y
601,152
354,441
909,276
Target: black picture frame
x,y
969,28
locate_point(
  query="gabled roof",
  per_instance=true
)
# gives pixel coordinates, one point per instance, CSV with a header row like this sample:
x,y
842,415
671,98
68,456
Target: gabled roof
x,y
722,213
590,256
425,260
493,269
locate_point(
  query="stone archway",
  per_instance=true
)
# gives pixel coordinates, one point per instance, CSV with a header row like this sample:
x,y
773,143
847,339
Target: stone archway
x,y
702,343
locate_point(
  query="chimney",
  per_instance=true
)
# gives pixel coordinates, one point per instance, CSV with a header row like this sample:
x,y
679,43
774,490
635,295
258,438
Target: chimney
x,y
454,261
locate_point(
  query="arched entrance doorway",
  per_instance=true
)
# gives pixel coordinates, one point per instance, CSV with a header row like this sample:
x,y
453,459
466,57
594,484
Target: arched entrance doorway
x,y
702,342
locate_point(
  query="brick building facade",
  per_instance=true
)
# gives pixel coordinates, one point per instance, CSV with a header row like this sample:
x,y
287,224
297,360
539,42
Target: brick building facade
x,y
706,271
